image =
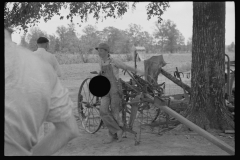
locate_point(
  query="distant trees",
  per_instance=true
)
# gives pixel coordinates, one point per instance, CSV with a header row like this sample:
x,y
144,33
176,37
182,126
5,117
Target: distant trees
x,y
231,47
23,41
117,39
52,46
166,38
189,45
88,41
32,37
62,33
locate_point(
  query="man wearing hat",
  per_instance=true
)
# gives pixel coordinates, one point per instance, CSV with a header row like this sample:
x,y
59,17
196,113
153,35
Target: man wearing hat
x,y
109,67
43,45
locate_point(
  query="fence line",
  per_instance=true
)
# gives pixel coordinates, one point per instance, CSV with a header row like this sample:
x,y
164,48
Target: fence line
x,y
170,87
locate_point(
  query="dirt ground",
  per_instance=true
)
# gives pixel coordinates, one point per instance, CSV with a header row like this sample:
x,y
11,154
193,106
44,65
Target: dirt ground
x,y
151,144
172,142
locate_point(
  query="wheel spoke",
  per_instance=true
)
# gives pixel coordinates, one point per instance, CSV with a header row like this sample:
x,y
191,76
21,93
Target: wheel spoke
x,y
95,120
88,117
89,112
149,115
85,94
88,91
92,100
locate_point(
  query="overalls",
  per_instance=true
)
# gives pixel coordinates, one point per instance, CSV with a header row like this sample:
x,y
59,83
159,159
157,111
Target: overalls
x,y
111,119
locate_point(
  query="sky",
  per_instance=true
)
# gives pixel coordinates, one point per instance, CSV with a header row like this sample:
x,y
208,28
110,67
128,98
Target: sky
x,y
181,13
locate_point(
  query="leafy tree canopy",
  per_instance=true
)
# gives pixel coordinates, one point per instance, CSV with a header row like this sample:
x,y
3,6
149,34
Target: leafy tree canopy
x,y
23,14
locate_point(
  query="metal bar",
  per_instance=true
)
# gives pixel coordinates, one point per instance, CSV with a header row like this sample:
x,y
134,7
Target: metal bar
x,y
232,79
129,86
135,80
135,59
194,127
228,77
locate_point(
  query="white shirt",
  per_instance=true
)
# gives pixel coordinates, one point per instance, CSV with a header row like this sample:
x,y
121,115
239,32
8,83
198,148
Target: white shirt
x,y
33,94
50,58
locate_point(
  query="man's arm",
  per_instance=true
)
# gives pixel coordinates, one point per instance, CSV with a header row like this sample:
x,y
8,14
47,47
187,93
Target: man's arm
x,y
62,133
57,66
61,115
122,65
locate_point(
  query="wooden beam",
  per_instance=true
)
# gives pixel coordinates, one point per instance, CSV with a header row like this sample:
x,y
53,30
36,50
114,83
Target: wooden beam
x,y
176,81
196,128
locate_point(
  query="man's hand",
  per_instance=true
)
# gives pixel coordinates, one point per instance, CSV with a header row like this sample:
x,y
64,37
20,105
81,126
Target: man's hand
x,y
62,133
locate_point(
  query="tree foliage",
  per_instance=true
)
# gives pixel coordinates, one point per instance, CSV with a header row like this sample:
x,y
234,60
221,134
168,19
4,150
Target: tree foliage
x,y
23,41
189,45
52,43
32,37
23,14
89,40
168,36
67,40
231,47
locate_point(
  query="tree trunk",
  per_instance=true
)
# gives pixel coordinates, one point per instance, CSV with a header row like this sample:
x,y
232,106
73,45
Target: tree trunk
x,y
207,108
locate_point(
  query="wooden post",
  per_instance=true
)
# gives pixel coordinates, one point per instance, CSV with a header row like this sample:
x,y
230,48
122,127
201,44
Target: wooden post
x,y
194,127
135,59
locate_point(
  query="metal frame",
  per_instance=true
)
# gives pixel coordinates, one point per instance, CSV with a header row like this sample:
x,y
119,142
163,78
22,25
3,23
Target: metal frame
x,y
157,101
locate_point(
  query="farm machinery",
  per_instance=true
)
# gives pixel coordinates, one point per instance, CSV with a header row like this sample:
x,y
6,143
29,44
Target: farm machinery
x,y
143,100
137,100
230,84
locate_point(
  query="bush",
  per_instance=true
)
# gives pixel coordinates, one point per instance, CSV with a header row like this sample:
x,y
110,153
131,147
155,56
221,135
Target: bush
x,y
186,67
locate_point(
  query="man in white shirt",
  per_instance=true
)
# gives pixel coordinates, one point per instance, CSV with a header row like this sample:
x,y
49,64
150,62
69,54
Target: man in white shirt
x,y
34,94
43,45
41,52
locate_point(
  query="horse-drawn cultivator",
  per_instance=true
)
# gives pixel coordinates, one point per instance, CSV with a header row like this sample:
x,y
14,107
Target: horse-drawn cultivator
x,y
137,103
141,102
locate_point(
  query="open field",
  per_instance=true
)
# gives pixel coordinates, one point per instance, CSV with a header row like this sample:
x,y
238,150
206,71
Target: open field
x,y
170,143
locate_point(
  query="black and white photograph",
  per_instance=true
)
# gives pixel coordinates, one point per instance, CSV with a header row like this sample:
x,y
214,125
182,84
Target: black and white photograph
x,y
120,78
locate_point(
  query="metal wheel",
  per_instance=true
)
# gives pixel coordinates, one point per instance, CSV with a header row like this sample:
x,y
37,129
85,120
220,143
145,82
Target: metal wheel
x,y
88,108
147,113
